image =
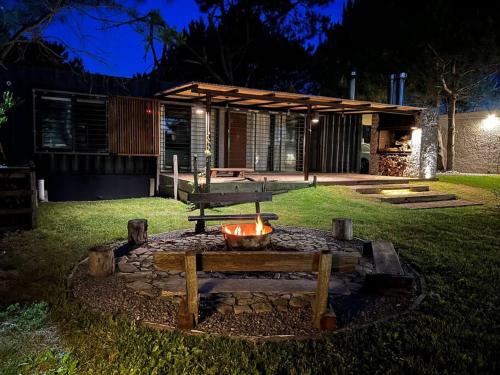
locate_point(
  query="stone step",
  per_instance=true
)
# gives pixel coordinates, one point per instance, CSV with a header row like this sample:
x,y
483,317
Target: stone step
x,y
425,196
351,182
439,204
175,286
377,189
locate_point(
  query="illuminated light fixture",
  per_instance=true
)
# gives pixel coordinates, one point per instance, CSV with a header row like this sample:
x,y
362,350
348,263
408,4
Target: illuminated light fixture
x,y
490,122
396,191
149,111
198,108
315,118
414,128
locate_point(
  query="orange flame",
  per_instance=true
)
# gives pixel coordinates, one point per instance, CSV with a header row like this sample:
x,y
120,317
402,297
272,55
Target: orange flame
x,y
246,229
259,226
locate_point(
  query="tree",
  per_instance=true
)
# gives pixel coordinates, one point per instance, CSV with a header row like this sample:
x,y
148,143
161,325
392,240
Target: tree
x,y
22,23
450,50
6,103
246,43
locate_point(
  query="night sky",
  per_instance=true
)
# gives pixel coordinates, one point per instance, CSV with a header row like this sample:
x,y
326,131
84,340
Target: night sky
x,y
120,52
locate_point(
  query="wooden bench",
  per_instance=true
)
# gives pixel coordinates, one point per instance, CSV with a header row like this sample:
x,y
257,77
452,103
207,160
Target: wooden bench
x,y
190,262
207,199
233,172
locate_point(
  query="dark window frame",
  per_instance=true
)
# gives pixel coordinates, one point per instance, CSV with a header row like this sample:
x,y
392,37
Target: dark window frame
x,y
75,146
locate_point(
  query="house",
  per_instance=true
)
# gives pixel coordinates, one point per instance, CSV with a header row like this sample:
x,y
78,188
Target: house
x,y
112,143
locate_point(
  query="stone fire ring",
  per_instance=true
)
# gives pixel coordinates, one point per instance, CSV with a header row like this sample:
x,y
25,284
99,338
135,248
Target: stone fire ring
x,y
276,313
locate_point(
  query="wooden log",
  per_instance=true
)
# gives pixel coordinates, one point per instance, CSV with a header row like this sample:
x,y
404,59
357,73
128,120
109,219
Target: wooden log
x,y
101,261
137,231
191,286
342,228
321,300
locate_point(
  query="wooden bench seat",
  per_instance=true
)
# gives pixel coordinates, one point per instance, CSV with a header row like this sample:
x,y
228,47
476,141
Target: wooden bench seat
x,y
261,261
263,216
233,172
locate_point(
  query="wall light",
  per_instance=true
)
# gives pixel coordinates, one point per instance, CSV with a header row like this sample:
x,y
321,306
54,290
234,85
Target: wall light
x,y
198,108
490,122
315,118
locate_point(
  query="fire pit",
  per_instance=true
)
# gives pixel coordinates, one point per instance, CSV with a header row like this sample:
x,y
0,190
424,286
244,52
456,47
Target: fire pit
x,y
249,236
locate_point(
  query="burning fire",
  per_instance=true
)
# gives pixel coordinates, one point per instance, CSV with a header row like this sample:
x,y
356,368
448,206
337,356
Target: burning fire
x,y
256,229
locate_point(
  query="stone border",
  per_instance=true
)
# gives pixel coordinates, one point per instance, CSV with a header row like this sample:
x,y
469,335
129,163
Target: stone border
x,y
419,280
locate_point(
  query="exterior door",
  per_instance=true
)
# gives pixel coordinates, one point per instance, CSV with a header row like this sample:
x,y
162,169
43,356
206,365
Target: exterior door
x,y
237,142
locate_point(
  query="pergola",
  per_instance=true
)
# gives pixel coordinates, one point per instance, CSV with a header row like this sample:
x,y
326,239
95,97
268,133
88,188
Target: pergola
x,y
209,94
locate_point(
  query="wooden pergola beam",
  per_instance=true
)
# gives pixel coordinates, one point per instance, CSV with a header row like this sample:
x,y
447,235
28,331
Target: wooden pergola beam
x,y
333,103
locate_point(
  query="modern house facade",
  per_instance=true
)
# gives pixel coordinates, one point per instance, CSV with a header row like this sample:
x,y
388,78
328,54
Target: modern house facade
x,y
115,142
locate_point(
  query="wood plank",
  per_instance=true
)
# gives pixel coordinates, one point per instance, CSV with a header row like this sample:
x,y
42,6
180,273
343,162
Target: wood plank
x,y
272,261
191,285
242,261
15,193
321,300
385,258
439,204
425,196
264,216
231,197
176,286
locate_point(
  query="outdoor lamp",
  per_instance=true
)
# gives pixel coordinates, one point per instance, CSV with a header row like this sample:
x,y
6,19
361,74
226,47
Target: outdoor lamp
x,y
198,108
490,122
315,118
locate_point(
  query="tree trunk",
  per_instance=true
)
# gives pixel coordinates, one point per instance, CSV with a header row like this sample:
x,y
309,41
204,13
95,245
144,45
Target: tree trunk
x,y
137,231
450,148
342,229
101,261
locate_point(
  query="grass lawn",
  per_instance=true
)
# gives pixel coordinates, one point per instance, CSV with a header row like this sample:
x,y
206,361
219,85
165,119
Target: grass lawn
x,y
455,330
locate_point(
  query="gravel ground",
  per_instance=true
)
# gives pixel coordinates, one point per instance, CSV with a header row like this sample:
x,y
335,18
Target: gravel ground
x,y
112,296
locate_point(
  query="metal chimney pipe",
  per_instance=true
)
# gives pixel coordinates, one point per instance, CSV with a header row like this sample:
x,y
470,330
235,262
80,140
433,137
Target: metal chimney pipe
x,y
352,85
391,96
401,88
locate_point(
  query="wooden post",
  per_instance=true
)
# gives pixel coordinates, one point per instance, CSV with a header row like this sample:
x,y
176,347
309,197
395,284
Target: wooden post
x,y
315,181
321,300
307,143
342,229
137,231
195,173
101,261
208,174
191,286
176,176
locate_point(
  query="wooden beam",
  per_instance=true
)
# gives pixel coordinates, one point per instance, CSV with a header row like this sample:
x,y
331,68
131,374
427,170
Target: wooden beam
x,y
230,197
191,286
307,144
265,261
321,300
177,90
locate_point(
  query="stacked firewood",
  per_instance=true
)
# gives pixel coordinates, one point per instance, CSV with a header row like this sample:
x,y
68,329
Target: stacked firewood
x,y
393,165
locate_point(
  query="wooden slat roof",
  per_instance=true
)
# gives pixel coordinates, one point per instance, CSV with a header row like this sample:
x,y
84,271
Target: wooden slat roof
x,y
244,97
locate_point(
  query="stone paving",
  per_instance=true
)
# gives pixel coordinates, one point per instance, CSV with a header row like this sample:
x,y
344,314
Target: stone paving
x,y
137,270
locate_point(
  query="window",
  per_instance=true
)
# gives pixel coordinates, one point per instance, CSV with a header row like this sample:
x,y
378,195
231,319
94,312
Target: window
x,y
175,128
70,123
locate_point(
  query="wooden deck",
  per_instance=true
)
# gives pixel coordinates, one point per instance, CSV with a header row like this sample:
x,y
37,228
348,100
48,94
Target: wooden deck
x,y
274,182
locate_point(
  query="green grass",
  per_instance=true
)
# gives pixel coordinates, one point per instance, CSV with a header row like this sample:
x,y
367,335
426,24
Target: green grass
x,y
455,329
489,182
